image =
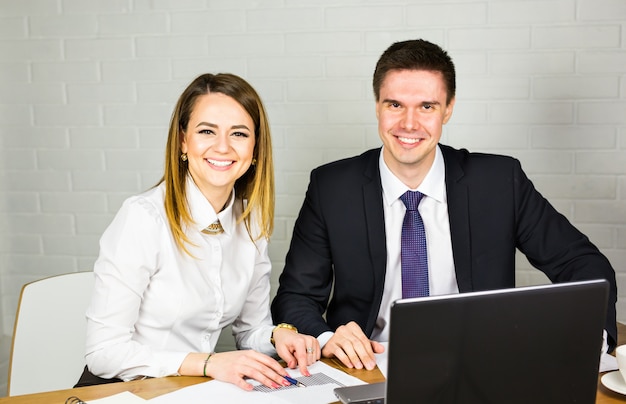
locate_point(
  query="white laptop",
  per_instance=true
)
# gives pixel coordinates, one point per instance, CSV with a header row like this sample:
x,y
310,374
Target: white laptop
x,y
538,344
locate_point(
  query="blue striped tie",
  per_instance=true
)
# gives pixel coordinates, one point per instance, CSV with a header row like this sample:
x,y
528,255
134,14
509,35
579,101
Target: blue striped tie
x,y
414,258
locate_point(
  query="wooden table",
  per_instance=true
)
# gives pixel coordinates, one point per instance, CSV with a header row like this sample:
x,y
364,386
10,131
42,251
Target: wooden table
x,y
151,388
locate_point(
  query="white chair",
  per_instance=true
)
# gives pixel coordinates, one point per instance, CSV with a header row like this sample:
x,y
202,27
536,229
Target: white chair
x,y
48,351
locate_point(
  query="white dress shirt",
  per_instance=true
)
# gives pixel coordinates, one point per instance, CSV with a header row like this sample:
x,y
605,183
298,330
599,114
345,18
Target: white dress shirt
x,y
153,304
434,212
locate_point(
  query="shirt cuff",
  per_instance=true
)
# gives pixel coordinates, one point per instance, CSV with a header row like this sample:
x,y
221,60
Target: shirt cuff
x,y
324,337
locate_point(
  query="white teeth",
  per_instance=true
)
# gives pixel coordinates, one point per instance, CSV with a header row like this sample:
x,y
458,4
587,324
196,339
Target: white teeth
x,y
220,163
408,140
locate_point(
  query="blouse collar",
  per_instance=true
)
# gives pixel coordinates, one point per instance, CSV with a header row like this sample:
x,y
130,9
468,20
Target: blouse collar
x,y
202,212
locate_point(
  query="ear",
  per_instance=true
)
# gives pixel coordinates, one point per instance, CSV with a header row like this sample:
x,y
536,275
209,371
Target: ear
x,y
448,112
183,141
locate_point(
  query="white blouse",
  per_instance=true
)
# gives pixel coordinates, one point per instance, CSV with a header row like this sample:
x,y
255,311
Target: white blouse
x,y
153,304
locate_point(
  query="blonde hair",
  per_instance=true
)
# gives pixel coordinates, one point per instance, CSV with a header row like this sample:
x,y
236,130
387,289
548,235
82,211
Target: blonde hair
x,y
256,185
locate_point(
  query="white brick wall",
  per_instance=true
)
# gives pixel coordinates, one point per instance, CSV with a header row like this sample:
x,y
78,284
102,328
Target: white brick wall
x,y
87,89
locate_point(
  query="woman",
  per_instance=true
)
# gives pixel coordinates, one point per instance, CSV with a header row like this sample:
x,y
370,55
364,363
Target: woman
x,y
189,257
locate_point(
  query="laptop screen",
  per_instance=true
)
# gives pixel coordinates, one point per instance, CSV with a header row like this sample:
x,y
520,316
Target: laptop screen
x,y
535,345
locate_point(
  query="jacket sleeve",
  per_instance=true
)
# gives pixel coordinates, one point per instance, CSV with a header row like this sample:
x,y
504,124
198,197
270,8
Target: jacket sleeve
x,y
306,280
553,245
335,268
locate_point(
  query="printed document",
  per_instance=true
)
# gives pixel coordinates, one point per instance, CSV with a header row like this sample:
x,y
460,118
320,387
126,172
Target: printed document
x,y
319,390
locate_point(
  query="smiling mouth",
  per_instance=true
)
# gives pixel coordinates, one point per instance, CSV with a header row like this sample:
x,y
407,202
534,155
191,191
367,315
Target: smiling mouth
x,y
409,140
220,163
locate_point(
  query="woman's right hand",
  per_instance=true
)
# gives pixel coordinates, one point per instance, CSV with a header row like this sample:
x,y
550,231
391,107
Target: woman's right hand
x,y
234,366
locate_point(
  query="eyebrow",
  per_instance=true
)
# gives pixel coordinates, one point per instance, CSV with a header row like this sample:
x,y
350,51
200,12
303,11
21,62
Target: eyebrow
x,y
391,101
212,125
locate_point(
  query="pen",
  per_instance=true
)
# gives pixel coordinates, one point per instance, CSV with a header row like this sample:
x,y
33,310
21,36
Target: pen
x,y
294,381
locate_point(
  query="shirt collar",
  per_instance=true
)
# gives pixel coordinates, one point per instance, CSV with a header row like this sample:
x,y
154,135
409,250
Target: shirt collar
x,y
202,211
433,184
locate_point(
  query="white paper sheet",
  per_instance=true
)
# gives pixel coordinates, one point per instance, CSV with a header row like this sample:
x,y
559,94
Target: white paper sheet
x,y
607,363
125,397
220,392
381,359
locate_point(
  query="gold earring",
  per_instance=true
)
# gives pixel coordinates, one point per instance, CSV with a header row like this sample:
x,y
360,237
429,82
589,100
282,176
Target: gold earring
x,y
183,157
253,162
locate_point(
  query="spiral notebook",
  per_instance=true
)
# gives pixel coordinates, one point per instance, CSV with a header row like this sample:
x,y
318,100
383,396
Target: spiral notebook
x,y
537,345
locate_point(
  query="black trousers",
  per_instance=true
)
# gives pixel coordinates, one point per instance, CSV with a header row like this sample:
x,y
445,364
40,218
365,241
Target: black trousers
x,y
89,379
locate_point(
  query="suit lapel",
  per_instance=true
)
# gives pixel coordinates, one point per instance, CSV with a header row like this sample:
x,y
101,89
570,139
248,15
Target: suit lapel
x,y
375,222
458,212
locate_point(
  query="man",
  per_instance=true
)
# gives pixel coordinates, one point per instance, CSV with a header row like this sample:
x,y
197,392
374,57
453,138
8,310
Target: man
x,y
344,266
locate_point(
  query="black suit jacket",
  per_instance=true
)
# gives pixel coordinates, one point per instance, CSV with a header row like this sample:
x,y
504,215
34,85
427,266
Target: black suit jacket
x,y
338,246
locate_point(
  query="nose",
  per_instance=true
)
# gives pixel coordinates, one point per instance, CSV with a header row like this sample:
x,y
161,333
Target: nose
x,y
222,143
409,120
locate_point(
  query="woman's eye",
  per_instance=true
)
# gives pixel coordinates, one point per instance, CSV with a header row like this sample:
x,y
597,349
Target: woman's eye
x,y
240,134
206,131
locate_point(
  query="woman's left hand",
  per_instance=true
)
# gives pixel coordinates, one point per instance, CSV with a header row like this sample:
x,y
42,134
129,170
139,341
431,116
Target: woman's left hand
x,y
296,349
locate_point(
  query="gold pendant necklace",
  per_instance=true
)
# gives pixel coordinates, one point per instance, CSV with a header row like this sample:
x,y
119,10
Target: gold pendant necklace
x,y
214,228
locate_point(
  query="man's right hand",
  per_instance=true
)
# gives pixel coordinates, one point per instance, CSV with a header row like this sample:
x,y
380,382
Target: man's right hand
x,y
352,347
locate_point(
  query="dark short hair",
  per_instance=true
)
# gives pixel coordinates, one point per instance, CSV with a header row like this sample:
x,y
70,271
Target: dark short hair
x,y
415,54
